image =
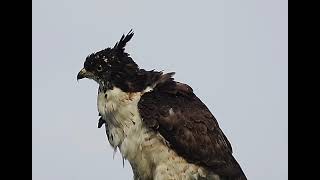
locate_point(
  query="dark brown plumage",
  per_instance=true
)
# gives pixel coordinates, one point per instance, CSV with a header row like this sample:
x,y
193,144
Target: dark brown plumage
x,y
112,67
191,130
170,108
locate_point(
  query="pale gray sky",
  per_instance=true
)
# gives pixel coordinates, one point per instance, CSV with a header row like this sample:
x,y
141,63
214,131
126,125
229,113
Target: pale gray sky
x,y
232,53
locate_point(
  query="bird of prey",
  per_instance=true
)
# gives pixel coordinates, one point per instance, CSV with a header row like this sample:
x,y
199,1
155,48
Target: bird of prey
x,y
158,124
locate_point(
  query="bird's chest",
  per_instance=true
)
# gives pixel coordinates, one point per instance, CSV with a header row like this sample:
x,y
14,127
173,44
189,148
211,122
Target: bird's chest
x,y
124,125
114,102
123,122
101,104
145,149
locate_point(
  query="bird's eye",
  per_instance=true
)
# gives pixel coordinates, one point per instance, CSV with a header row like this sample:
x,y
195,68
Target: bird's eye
x,y
99,68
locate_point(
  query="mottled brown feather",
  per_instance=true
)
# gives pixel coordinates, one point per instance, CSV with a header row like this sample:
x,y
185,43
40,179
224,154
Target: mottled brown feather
x,y
192,131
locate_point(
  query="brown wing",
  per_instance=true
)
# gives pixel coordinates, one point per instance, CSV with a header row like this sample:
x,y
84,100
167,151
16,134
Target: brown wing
x,y
189,127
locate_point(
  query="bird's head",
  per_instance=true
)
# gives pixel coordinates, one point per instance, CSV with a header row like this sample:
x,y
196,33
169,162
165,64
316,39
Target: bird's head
x,y
111,66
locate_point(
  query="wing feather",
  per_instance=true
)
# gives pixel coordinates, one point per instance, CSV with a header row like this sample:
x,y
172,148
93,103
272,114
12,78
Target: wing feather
x,y
189,127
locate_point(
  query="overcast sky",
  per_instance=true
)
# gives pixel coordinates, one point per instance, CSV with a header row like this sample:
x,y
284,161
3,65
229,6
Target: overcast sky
x,y
232,53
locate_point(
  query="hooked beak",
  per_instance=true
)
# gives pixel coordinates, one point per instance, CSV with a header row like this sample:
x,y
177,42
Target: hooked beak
x,y
82,74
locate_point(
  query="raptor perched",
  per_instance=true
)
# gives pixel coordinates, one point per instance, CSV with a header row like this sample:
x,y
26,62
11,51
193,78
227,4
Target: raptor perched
x,y
159,125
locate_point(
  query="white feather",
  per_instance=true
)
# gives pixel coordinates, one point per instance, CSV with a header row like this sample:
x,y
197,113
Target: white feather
x,y
145,149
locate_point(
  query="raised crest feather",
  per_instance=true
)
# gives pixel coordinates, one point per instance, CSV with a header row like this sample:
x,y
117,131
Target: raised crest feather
x,y
123,41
